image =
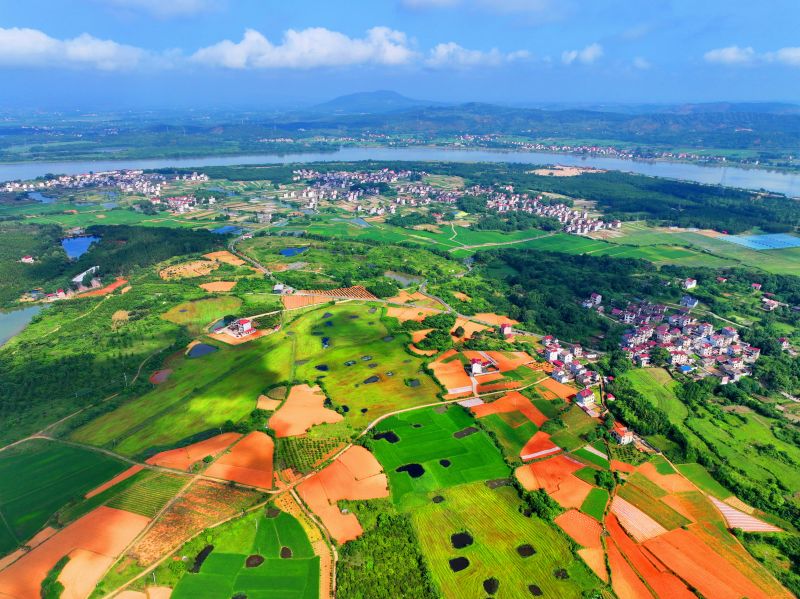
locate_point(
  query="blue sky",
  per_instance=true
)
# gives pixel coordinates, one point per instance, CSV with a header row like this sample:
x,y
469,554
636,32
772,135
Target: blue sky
x,y
266,53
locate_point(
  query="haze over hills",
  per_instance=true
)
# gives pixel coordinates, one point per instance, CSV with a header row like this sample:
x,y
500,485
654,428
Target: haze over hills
x,y
374,102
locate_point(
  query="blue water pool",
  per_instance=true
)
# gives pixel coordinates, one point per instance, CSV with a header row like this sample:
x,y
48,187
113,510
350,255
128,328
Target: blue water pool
x,y
289,252
773,241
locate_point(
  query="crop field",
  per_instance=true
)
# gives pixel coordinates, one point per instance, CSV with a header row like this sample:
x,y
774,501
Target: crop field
x,y
38,477
148,495
576,423
257,556
703,479
592,458
595,503
303,453
492,519
198,314
512,435
657,386
426,440
648,500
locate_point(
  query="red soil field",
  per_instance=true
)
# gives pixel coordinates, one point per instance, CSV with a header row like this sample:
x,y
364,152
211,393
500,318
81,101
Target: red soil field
x,y
451,374
218,286
39,538
470,328
354,292
584,529
618,466
290,302
511,402
558,389
183,457
159,376
356,474
504,386
422,352
117,479
538,446
107,289
623,579
554,475
404,314
635,522
596,560
418,336
249,461
494,319
82,572
649,568
509,360
672,483
702,567
304,407
104,532
265,403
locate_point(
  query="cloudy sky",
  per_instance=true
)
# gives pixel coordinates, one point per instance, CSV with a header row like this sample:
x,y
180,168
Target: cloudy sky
x,y
267,53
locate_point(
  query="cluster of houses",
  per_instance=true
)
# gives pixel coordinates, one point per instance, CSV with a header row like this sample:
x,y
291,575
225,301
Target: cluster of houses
x,y
566,362
690,343
181,204
349,186
80,283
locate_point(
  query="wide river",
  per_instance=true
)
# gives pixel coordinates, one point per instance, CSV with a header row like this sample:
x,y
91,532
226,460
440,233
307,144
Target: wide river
x,y
776,181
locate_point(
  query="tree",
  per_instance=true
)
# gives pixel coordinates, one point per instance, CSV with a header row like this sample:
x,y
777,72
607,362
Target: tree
x,y
659,356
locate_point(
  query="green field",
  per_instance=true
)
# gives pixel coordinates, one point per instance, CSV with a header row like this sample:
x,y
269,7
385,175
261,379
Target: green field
x,y
576,423
657,386
493,519
198,314
595,503
646,496
592,458
224,573
148,495
701,477
512,429
38,477
472,458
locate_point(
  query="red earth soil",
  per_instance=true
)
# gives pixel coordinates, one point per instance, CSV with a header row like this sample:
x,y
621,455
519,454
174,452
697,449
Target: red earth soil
x,y
702,567
537,446
558,389
117,479
672,483
418,336
104,532
412,313
618,466
649,568
494,319
107,289
623,579
183,457
356,474
451,374
584,529
554,475
504,386
304,407
249,462
422,352
470,328
511,402
596,560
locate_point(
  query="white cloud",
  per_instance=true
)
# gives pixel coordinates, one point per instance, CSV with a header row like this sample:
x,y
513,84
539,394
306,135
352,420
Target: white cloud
x,y
32,48
309,48
164,8
731,55
588,55
641,63
788,56
454,55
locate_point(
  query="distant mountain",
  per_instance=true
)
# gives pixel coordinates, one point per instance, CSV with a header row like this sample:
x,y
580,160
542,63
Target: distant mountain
x,y
376,102
747,107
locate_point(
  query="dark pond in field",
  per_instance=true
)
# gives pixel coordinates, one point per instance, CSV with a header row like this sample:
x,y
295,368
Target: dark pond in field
x,y
322,367
328,323
289,252
349,362
15,321
326,341
366,358
373,365
535,590
327,315
437,499
345,409
272,512
388,338
253,560
373,309
403,278
109,205
200,558
416,425
300,362
353,316
40,197
220,324
498,482
444,463
286,553
460,540
364,410
561,574
228,230
414,470
201,349
458,563
372,379
75,247
490,585
526,550
390,436
390,373
465,432
413,383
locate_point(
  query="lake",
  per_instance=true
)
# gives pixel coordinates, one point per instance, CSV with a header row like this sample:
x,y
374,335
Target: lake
x,y
403,278
289,252
78,246
776,181
40,197
13,322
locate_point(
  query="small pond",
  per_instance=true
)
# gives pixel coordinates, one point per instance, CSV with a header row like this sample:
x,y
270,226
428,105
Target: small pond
x,y
289,252
15,321
40,197
201,349
403,278
75,247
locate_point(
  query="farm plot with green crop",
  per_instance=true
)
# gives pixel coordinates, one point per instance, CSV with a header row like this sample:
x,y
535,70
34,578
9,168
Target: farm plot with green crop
x,y
494,540
39,477
259,556
512,429
434,449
